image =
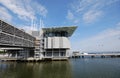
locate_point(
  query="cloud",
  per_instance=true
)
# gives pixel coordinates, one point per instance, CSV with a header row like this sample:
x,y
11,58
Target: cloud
x,y
24,9
106,40
91,16
118,24
4,14
18,8
111,2
40,9
22,12
28,29
70,15
89,10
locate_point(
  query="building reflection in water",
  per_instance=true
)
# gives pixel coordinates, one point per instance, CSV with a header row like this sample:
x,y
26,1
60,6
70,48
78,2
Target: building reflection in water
x,y
53,69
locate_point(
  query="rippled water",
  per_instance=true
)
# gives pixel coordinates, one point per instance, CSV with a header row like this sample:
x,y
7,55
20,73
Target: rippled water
x,y
74,68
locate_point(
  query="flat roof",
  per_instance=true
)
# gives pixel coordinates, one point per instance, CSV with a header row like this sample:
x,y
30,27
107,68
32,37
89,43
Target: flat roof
x,y
67,29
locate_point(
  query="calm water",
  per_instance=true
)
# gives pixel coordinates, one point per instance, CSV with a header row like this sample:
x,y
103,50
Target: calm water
x,y
74,68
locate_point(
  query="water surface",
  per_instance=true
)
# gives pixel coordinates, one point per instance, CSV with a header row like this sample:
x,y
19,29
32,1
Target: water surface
x,y
74,68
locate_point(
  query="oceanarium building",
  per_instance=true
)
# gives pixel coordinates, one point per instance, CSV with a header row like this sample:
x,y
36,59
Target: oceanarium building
x,y
48,43
54,42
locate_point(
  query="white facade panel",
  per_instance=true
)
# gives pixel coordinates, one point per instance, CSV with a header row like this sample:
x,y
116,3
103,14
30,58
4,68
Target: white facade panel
x,y
45,43
49,43
66,43
56,42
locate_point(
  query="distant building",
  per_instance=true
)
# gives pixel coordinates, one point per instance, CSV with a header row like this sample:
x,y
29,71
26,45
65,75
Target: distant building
x,y
76,53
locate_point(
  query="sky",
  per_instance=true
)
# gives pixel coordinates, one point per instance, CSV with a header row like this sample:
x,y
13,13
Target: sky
x,y
98,21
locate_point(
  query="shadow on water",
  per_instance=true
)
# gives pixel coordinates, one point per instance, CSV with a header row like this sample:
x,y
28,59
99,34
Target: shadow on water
x,y
54,69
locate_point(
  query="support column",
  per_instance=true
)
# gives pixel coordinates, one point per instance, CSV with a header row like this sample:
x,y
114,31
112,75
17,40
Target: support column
x,y
26,53
59,53
52,54
16,55
45,54
66,53
39,54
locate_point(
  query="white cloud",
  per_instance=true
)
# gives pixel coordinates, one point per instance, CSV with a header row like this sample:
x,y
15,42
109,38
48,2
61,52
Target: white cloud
x,y
24,9
89,10
4,14
92,15
28,29
70,15
76,21
111,2
40,9
81,5
18,8
118,24
107,40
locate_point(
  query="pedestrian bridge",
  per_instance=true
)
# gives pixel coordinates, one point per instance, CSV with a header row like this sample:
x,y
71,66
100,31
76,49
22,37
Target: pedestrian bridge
x,y
11,36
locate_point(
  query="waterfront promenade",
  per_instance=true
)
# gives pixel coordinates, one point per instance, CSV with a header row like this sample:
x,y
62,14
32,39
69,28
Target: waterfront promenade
x,y
6,58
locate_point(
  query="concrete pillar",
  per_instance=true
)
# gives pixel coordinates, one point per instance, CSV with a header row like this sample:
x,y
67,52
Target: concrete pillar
x,y
39,54
59,53
28,53
66,53
16,55
52,53
45,54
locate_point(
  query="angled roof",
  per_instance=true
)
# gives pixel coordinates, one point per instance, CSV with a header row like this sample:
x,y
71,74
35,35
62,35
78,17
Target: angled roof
x,y
69,29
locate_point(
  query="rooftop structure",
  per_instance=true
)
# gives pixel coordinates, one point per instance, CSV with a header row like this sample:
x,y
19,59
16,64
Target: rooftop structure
x,y
63,31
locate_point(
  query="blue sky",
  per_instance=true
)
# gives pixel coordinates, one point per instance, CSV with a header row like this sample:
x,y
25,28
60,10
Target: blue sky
x,y
98,21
